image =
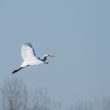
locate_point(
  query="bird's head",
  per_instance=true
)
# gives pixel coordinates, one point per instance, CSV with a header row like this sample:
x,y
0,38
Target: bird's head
x,y
48,55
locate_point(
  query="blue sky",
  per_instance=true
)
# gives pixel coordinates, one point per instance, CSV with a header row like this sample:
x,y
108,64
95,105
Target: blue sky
x,y
76,31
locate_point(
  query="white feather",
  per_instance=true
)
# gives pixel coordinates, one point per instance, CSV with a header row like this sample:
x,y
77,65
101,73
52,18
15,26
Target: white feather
x,y
28,55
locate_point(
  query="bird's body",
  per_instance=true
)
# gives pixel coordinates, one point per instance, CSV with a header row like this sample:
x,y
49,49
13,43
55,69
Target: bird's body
x,y
29,57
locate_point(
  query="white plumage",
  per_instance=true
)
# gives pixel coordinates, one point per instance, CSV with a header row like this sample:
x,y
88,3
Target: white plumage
x,y
29,57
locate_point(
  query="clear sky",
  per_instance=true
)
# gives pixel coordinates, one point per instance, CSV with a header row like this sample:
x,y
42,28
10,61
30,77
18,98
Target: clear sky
x,y
76,31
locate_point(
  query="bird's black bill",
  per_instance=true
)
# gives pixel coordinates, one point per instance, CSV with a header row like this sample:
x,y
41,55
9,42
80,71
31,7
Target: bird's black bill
x,y
17,70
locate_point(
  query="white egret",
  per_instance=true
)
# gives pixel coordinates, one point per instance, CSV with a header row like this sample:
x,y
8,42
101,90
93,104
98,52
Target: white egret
x,y
29,57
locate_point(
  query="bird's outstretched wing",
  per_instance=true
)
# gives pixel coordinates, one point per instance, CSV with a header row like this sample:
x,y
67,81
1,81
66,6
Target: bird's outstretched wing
x,y
27,51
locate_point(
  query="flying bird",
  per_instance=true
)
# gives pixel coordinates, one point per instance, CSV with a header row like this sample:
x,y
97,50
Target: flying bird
x,y
29,57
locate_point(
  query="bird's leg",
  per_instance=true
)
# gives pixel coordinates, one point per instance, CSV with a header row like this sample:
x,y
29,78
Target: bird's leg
x,y
19,69
27,65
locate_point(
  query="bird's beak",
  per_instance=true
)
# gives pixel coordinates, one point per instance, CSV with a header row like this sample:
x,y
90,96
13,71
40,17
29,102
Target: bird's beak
x,y
51,55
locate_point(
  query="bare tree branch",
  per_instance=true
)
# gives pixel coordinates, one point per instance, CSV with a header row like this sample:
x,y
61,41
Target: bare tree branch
x,y
14,95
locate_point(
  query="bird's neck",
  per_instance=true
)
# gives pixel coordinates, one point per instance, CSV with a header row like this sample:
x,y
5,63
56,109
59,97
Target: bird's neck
x,y
44,59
